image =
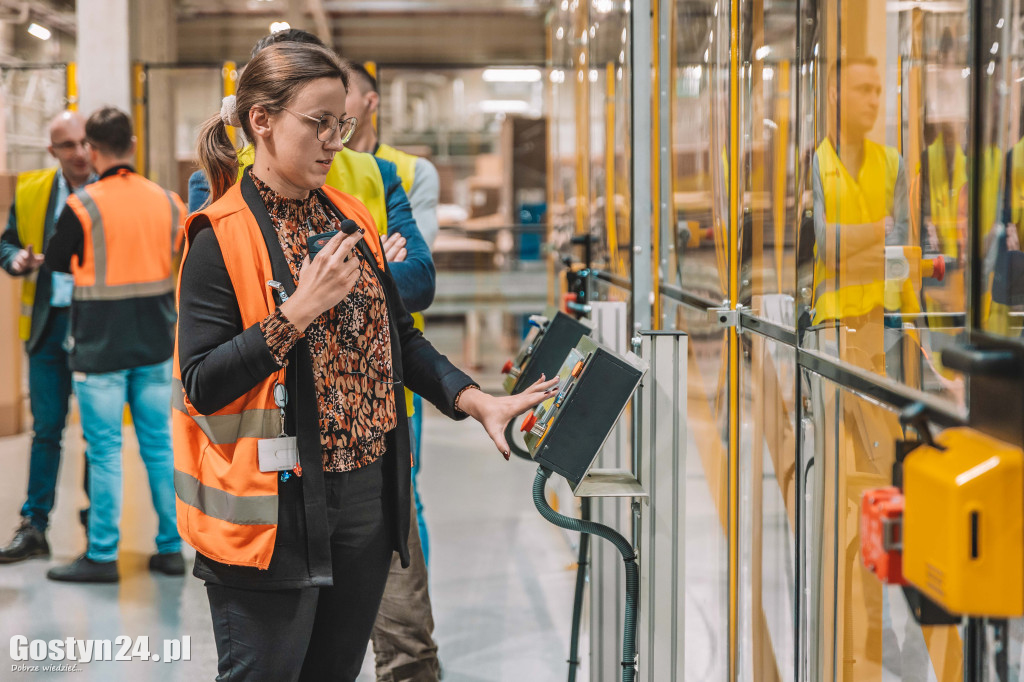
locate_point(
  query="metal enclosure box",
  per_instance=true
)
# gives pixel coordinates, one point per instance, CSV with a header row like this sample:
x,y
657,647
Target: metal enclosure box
x,y
565,432
963,523
544,349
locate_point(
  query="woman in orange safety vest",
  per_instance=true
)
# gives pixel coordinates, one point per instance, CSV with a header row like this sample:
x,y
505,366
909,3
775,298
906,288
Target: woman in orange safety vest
x,y
291,449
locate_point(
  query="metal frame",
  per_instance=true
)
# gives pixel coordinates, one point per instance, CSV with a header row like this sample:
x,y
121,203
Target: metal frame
x,y
640,53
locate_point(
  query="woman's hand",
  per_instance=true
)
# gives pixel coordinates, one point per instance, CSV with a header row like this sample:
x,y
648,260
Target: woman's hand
x,y
325,281
495,413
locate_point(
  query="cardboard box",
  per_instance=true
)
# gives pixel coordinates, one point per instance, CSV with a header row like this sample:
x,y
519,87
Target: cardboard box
x,y
11,351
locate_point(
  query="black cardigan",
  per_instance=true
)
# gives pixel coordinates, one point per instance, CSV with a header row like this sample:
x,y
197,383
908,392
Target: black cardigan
x,y
220,361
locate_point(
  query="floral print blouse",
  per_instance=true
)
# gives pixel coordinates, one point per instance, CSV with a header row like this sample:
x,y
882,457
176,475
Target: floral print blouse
x,y
349,345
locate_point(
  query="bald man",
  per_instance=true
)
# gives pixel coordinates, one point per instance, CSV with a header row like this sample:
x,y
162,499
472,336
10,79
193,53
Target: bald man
x,y
43,325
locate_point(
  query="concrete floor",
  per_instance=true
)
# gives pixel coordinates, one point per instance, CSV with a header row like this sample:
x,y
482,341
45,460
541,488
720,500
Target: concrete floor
x,y
501,577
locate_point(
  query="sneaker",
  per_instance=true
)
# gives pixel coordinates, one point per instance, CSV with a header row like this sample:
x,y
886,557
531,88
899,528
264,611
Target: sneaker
x,y
28,542
171,563
85,570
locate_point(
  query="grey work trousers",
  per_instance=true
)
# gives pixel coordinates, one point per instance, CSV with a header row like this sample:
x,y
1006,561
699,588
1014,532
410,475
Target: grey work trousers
x,y
403,641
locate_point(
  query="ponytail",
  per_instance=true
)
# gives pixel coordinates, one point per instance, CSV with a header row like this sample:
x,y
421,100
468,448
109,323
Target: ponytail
x,y
270,80
217,157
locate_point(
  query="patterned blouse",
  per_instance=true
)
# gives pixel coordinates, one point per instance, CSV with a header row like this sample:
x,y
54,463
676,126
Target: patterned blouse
x,y
350,345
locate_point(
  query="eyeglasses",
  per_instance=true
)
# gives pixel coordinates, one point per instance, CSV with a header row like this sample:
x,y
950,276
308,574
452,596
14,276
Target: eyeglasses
x,y
68,145
328,124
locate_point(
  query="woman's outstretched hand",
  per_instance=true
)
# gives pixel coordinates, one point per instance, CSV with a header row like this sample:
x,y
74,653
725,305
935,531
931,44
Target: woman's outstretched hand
x,y
495,413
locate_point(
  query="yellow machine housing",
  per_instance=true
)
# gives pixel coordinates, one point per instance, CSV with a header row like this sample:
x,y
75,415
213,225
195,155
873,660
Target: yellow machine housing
x,y
963,523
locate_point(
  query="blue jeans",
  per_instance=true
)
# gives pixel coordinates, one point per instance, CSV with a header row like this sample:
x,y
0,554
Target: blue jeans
x,y
416,428
101,400
49,384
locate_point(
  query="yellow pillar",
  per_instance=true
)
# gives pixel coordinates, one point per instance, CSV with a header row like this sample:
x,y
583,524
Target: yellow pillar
x,y
139,115
229,78
71,86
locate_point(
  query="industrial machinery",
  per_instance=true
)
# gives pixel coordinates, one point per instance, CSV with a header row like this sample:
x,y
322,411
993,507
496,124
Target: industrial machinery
x,y
551,336
951,530
565,434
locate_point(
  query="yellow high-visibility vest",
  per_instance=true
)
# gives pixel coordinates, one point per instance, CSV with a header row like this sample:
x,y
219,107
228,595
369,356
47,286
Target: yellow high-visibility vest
x,y
944,194
406,164
31,199
849,276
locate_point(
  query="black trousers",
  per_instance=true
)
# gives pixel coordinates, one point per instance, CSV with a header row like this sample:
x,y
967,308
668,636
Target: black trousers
x,y
315,633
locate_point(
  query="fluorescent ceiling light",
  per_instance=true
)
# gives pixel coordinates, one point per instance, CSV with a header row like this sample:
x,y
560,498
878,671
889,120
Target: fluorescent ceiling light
x,y
512,75
279,26
508,106
40,32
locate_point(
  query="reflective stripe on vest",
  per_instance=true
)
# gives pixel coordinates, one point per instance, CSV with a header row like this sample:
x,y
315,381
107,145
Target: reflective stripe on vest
x,y
31,199
406,164
351,172
227,508
849,278
228,428
100,290
243,510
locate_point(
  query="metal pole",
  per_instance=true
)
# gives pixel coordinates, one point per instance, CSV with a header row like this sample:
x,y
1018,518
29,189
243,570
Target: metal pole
x,y
641,57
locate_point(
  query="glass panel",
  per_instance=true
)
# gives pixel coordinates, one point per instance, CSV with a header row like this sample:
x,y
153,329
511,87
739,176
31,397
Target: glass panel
x,y
191,95
768,149
1001,304
705,538
767,510
609,136
887,181
700,153
853,627
33,96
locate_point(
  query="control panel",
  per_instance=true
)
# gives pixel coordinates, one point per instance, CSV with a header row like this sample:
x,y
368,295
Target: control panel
x,y
565,432
551,336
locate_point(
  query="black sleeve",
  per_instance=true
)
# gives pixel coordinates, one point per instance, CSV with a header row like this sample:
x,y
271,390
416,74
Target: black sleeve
x,y
425,371
68,240
219,360
10,243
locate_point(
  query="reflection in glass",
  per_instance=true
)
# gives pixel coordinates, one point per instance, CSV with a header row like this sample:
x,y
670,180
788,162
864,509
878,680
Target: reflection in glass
x,y
706,635
855,628
768,473
700,155
861,219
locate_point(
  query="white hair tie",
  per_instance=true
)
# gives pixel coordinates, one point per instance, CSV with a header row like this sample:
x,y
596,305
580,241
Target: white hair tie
x,y
229,112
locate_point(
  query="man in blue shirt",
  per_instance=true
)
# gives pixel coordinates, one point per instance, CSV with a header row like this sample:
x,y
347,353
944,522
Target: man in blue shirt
x,y
45,300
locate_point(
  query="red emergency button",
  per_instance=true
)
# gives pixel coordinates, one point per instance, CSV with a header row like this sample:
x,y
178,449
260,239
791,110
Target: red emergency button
x,y
507,367
528,423
577,369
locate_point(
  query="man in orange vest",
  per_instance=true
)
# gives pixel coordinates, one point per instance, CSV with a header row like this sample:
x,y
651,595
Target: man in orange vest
x,y
45,297
117,238
403,633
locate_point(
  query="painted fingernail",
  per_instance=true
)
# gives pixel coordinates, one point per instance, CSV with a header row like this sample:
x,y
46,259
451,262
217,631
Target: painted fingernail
x,y
362,231
506,453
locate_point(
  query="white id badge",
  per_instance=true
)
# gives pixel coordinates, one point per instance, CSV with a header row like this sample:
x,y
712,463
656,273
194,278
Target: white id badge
x,y
278,454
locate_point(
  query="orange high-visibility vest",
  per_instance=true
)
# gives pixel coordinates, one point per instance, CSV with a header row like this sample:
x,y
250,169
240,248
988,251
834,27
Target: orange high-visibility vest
x,y
127,246
227,507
